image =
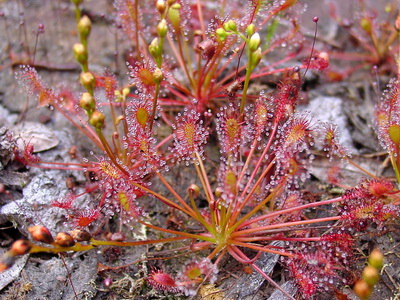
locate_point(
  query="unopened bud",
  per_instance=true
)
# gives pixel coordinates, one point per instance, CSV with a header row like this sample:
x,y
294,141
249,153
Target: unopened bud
x,y
162,28
84,27
88,81
64,239
376,259
170,2
251,29
158,75
125,92
218,192
230,26
254,42
370,275
87,102
6,261
118,120
154,48
21,247
362,290
41,234
80,235
175,16
194,189
255,58
160,6
97,119
221,34
366,24
80,54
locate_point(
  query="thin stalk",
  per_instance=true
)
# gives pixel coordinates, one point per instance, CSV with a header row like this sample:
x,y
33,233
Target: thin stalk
x,y
395,167
136,243
136,13
289,210
259,248
208,196
203,171
275,238
211,229
254,210
154,109
246,85
181,56
360,168
200,14
270,280
248,196
176,195
271,138
261,229
108,149
248,159
161,198
217,250
179,233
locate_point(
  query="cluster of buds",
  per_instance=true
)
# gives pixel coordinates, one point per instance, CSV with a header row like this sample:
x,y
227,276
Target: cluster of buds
x,y
254,49
62,241
252,40
87,79
370,276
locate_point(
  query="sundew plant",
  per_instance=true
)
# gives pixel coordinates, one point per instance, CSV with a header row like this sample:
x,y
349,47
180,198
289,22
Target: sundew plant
x,y
191,67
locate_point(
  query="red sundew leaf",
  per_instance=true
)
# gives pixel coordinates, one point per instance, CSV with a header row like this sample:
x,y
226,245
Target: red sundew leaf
x,y
86,217
162,281
31,79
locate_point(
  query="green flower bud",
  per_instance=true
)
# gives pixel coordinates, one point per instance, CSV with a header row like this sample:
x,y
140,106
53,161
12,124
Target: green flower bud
x,y
254,42
125,92
175,17
80,53
88,81
158,75
376,259
194,189
255,58
221,34
366,24
155,49
84,27
230,26
370,275
251,29
162,28
87,102
97,120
